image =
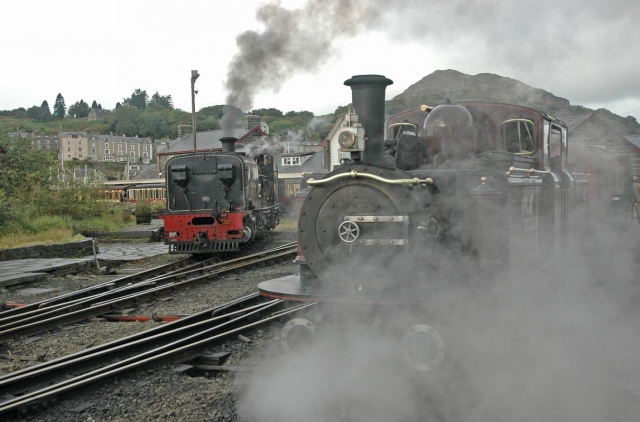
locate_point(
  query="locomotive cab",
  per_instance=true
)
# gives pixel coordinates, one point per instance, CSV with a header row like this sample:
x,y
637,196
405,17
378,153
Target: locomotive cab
x,y
218,200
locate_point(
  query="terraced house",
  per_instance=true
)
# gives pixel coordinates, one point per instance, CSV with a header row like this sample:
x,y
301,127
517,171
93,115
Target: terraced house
x,y
108,148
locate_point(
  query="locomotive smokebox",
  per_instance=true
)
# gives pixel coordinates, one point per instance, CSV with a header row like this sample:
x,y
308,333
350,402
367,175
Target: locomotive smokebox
x,y
228,143
367,93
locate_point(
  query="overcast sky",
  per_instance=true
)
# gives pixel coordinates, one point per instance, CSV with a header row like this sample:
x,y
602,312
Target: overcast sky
x,y
295,55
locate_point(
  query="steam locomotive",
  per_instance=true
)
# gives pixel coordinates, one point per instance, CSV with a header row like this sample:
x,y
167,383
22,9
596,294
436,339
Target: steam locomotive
x,y
217,201
465,198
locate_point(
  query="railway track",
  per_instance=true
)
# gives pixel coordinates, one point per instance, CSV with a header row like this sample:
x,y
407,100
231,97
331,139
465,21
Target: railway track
x,y
37,387
125,291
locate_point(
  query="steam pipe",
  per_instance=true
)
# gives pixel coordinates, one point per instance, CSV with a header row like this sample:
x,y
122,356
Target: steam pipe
x,y
367,93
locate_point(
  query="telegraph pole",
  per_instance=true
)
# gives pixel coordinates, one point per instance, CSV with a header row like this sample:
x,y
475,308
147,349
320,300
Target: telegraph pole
x,y
194,76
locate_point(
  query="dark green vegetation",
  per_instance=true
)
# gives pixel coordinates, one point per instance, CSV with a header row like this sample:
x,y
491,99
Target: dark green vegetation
x,y
441,85
154,117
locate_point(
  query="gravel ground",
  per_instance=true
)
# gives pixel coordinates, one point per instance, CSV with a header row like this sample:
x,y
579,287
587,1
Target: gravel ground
x,y
161,393
593,377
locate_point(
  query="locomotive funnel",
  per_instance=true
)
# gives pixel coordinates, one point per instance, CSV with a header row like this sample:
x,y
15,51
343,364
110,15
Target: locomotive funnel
x,y
228,143
367,93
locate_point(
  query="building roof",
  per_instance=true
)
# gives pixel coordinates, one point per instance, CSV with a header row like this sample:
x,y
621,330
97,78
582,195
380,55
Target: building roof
x,y
108,138
634,139
147,171
574,120
210,140
333,130
313,164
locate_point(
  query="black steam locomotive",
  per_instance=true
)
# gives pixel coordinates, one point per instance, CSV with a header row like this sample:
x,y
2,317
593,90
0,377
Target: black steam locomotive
x,y
217,201
464,198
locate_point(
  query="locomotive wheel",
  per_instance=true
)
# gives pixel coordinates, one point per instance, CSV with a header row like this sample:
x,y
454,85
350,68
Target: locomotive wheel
x,y
248,234
422,347
298,336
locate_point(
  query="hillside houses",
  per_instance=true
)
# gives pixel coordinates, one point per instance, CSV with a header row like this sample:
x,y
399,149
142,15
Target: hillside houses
x,y
106,148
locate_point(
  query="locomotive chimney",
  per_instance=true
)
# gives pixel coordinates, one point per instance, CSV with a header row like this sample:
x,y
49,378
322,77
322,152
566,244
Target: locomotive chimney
x,y
367,93
228,143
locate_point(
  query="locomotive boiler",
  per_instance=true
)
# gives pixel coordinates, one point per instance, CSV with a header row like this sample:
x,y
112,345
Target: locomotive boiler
x,y
219,200
465,198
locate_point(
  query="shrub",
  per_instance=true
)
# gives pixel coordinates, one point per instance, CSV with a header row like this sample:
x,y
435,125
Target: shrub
x,y
143,207
157,206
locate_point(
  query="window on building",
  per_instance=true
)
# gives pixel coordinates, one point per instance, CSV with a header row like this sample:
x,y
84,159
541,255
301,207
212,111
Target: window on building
x,y
68,142
106,145
291,161
133,153
144,148
145,155
293,189
68,149
80,149
107,152
93,150
119,146
133,147
107,157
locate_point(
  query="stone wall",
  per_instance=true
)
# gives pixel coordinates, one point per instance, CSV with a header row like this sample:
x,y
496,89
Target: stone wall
x,y
58,250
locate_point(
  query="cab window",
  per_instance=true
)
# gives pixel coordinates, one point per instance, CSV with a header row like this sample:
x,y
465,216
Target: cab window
x,y
518,136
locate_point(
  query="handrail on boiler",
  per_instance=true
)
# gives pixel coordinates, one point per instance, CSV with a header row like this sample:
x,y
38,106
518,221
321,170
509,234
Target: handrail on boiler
x,y
354,174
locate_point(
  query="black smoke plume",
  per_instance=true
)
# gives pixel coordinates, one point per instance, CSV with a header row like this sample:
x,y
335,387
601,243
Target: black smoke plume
x,y
292,42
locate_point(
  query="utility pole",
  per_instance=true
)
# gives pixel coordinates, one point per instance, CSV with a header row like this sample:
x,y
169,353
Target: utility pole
x,y
194,76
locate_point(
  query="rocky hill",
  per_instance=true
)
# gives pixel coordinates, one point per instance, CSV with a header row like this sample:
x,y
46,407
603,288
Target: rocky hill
x,y
441,85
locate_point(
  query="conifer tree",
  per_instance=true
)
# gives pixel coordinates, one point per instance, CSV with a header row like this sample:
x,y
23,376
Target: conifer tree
x,y
59,108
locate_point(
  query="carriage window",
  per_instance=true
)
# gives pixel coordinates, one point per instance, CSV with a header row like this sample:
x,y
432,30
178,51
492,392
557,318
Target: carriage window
x,y
518,136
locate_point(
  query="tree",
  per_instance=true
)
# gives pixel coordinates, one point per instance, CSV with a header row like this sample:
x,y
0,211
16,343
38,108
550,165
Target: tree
x,y
160,102
299,114
94,105
263,112
79,109
216,111
45,113
24,168
126,120
138,99
33,112
59,108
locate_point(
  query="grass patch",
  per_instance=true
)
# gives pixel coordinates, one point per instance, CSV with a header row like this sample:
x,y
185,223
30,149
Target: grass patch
x,y
47,230
46,237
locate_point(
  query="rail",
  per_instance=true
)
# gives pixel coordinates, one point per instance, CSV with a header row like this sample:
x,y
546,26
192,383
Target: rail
x,y
45,318
38,386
